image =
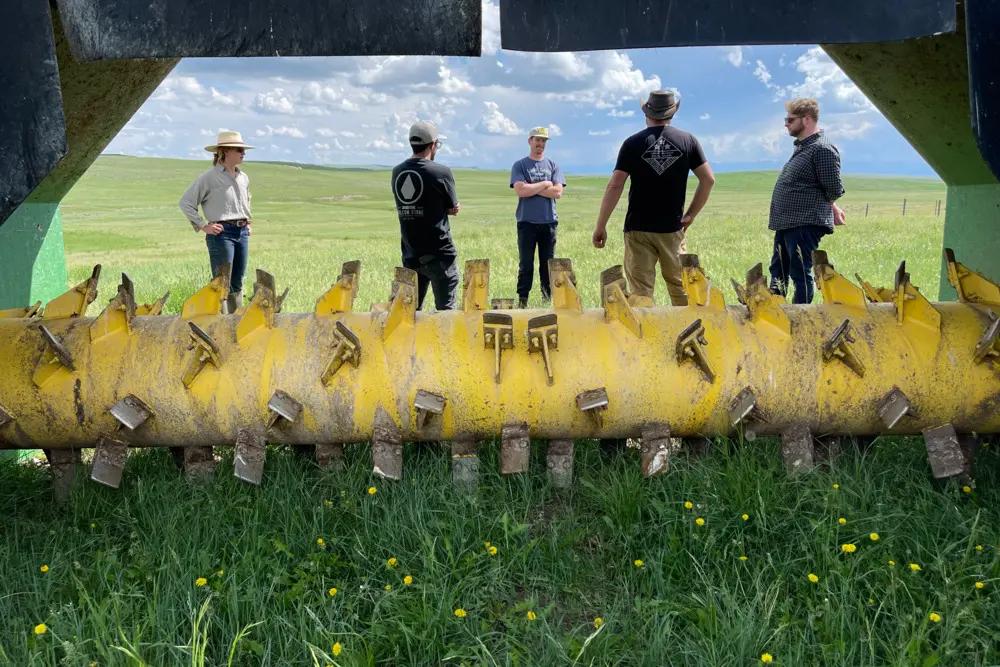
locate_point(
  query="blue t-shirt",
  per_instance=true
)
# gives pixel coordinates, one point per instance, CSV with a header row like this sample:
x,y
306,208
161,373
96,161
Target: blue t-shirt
x,y
536,209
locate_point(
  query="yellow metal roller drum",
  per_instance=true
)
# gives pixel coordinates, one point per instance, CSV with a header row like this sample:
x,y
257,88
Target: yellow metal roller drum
x,y
900,365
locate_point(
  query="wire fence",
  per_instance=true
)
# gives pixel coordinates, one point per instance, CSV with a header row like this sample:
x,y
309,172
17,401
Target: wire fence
x,y
902,208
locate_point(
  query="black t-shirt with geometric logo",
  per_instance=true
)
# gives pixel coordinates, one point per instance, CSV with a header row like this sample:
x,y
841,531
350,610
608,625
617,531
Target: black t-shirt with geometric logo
x,y
424,191
658,160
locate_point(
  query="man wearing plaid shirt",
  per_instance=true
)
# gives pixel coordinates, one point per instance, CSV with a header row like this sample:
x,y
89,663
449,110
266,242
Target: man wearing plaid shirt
x,y
803,207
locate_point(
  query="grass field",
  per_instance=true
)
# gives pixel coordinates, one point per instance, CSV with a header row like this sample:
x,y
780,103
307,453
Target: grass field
x,y
123,568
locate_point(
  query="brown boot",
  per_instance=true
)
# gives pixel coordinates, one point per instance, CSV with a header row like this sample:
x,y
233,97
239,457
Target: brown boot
x,y
522,303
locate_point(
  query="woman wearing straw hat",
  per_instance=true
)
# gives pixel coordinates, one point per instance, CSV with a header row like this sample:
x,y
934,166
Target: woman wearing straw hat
x,y
223,192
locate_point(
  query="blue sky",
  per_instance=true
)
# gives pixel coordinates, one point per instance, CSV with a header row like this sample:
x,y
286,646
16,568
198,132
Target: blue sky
x,y
357,110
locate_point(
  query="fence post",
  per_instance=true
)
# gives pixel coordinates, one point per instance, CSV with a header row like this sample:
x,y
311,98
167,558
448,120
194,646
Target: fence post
x,y
904,205
866,209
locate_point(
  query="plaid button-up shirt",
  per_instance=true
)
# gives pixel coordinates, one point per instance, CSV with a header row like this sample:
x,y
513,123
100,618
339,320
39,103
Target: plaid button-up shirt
x,y
807,185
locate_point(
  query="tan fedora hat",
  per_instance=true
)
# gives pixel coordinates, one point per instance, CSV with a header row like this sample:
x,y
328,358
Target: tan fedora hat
x,y
227,139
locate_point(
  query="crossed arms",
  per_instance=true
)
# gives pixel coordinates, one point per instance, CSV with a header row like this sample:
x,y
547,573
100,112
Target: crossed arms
x,y
547,189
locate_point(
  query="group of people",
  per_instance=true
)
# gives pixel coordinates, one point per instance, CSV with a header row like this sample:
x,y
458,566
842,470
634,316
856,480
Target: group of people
x,y
656,160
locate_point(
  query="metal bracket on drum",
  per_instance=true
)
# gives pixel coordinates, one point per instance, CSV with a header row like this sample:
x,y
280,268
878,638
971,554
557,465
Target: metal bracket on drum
x,y
593,403
690,346
427,404
543,336
498,334
109,461
988,347
615,301
347,349
838,347
744,411
894,406
131,412
205,352
248,457
282,409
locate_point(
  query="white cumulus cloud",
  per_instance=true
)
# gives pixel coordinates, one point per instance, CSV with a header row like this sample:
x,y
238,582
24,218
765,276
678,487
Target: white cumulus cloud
x,y
495,122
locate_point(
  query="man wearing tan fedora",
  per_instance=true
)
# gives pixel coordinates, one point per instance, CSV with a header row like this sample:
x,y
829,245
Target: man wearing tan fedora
x,y
657,160
223,192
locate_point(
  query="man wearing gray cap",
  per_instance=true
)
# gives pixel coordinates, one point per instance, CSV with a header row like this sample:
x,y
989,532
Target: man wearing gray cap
x,y
658,160
425,197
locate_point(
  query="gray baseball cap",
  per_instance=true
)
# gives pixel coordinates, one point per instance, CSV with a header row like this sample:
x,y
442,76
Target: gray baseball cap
x,y
424,132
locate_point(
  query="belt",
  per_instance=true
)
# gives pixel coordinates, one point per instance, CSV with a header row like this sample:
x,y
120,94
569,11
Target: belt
x,y
242,222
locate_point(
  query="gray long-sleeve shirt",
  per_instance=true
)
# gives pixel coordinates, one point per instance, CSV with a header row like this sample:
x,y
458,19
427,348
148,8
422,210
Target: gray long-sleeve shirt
x,y
220,196
807,185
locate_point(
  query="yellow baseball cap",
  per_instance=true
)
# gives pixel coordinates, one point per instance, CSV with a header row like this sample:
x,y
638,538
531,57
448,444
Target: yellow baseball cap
x,y
542,132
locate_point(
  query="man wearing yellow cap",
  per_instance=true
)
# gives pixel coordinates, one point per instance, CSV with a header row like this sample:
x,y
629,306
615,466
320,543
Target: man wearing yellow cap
x,y
538,182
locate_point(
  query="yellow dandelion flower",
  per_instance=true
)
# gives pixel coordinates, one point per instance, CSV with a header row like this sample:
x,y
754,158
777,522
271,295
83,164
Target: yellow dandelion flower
x,y
873,537
220,573
745,517
407,580
43,568
979,547
332,592
813,578
638,563
41,629
836,486
486,544
321,542
892,563
598,622
848,548
372,490
531,615
936,618
93,525
493,551
688,504
460,613
200,581
388,587
842,521
766,657
337,648
700,521
980,585
391,562
967,489
914,567
328,503
743,557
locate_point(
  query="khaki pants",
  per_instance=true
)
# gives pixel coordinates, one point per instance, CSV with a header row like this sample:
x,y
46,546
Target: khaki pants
x,y
642,251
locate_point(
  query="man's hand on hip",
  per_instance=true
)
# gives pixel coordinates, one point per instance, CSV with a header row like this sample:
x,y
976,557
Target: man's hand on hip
x,y
454,211
212,228
686,222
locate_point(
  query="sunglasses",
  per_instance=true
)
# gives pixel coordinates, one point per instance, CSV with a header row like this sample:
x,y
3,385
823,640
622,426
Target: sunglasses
x,y
789,119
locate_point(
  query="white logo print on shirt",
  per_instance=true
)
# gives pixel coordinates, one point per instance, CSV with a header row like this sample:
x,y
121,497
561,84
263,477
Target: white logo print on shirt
x,y
661,155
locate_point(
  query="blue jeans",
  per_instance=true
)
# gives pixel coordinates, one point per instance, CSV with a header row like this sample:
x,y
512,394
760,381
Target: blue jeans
x,y
529,235
791,261
232,245
440,272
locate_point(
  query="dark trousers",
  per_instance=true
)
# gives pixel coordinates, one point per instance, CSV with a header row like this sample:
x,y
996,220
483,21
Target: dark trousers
x,y
791,261
232,246
528,236
440,273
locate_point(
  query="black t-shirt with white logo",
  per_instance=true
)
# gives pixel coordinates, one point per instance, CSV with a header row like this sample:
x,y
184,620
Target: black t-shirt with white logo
x,y
424,191
657,161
